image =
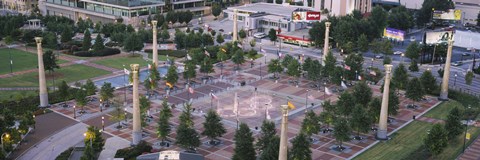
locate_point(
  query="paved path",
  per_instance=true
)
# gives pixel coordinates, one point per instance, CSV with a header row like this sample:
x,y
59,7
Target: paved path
x,y
472,152
111,146
52,147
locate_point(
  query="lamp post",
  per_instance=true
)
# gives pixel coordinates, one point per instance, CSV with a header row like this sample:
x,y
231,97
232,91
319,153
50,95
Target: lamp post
x,y
306,101
7,136
371,65
103,123
85,135
125,86
74,113
101,104
356,75
455,81
125,114
402,55
11,61
466,128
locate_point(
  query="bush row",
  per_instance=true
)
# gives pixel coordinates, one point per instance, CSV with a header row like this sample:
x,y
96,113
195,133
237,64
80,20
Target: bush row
x,y
100,53
131,153
172,53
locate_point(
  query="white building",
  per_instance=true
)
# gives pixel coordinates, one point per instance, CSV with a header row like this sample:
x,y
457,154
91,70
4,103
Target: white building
x,y
343,7
470,10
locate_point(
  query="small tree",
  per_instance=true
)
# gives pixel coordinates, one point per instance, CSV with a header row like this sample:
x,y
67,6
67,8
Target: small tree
x,y
274,67
206,66
360,120
428,82
90,87
165,35
133,43
81,98
50,63
469,77
300,148
267,132
243,144
93,137
329,66
189,70
220,39
187,137
63,91
341,132
413,66
213,126
453,124
328,115
144,107
393,103
87,40
345,103
272,150
400,76
293,69
164,128
242,34
88,153
362,93
436,139
67,34
216,10
238,58
362,43
414,90
374,108
272,35
310,124
172,75
98,45
106,92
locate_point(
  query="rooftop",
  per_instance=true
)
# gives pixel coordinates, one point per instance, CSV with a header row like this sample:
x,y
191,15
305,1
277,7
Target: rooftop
x,y
275,9
126,3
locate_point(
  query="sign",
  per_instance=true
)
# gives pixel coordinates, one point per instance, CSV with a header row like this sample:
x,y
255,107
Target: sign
x,y
303,16
448,15
467,136
170,154
438,37
392,33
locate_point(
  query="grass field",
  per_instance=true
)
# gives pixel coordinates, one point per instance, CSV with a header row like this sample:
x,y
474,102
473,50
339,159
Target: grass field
x,y
404,142
21,60
70,74
118,62
442,110
9,95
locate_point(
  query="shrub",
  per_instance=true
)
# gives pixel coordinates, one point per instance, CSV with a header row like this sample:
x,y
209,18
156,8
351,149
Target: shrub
x,y
82,54
172,53
65,154
100,53
131,153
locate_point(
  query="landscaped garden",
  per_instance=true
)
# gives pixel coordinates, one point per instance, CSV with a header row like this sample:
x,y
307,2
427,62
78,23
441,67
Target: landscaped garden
x,y
21,60
118,62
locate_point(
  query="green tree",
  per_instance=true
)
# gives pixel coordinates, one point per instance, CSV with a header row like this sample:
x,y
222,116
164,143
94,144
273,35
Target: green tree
x,y
341,132
144,107
287,60
172,75
376,46
329,67
274,67
300,148
106,92
267,132
314,71
387,48
425,13
414,90
216,9
87,41
413,50
165,35
362,93
360,120
88,153
328,115
98,45
436,139
317,33
378,20
64,91
355,62
180,39
220,39
242,34
243,144
310,124
393,103
187,137
453,124
213,126
90,87
429,82
400,18
133,43
151,82
50,61
81,98
206,66
293,69
238,58
400,76
374,108
272,35
164,128
469,77
189,70
345,103
279,1
413,66
93,137
272,150
362,43
67,34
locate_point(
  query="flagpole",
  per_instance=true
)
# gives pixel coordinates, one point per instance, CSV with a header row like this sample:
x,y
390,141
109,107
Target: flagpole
x,y
324,91
306,101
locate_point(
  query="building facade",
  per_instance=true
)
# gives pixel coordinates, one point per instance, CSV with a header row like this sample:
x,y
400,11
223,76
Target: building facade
x,y
343,7
470,10
21,6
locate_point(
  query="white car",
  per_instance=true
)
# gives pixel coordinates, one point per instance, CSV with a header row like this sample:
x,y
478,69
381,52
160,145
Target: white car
x,y
397,53
259,35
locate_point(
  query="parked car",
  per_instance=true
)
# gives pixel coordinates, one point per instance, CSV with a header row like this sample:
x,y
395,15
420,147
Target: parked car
x,y
397,53
466,54
457,63
259,35
221,30
412,39
379,56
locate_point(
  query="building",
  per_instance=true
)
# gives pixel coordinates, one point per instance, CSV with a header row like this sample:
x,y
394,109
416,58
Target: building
x,y
21,6
343,7
171,155
412,4
129,11
470,10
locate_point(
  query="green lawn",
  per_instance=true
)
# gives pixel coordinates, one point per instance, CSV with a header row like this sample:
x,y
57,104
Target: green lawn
x,y
8,95
118,62
70,74
404,142
455,147
442,110
21,60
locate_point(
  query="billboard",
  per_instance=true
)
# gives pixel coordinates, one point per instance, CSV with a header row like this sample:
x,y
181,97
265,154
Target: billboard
x,y
392,33
438,37
448,15
303,16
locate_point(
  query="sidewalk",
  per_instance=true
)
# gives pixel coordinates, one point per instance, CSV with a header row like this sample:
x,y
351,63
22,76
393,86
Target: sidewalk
x,y
111,146
472,152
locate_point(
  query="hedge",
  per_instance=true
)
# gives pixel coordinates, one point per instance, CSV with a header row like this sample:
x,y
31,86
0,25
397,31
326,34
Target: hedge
x,y
100,53
172,53
131,153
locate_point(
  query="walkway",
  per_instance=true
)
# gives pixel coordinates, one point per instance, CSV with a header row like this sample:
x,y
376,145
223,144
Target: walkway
x,y
472,152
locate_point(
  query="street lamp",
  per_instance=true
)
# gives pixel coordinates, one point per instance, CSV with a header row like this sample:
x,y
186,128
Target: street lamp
x,y
306,101
6,136
74,113
125,114
371,65
125,86
455,81
103,123
466,128
85,135
11,61
101,104
402,56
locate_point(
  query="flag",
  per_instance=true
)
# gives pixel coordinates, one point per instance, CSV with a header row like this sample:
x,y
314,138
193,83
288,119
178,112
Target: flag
x,y
206,53
169,85
359,78
263,51
239,45
290,105
327,91
311,97
223,50
149,66
373,73
214,96
150,79
190,89
126,71
344,86
347,67
279,55
188,57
